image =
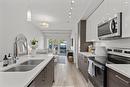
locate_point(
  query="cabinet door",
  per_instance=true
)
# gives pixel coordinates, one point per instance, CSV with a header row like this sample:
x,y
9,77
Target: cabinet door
x,y
46,77
82,31
114,79
43,80
32,84
39,80
50,74
82,34
82,65
79,62
52,71
93,21
85,67
114,7
126,18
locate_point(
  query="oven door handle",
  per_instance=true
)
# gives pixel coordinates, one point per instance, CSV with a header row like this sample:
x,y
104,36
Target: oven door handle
x,y
108,62
99,66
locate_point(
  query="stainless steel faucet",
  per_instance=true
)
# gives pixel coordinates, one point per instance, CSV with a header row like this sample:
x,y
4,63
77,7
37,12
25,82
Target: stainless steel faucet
x,y
20,46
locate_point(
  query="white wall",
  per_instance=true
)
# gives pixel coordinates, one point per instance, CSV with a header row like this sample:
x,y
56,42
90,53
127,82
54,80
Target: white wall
x,y
13,22
74,35
69,43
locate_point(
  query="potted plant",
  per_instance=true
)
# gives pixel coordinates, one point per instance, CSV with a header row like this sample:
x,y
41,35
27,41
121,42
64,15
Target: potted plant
x,y
34,45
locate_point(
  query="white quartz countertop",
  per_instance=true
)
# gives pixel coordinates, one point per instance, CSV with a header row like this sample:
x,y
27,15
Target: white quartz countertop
x,y
87,54
123,69
23,79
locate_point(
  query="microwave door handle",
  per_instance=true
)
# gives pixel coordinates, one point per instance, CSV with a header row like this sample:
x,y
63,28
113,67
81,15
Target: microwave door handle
x,y
110,26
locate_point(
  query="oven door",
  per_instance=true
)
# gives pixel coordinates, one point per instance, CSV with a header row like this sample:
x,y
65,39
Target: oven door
x,y
99,75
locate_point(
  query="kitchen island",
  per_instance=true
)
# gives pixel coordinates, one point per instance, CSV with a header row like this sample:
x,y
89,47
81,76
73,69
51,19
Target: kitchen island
x,y
25,78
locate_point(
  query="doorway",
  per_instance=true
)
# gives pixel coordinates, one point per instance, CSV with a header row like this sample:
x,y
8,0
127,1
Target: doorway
x,y
58,47
63,48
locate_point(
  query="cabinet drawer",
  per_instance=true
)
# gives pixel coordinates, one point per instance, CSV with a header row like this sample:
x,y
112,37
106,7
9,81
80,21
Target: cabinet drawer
x,y
115,79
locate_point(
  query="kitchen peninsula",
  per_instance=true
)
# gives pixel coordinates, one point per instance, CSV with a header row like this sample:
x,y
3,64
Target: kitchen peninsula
x,y
29,78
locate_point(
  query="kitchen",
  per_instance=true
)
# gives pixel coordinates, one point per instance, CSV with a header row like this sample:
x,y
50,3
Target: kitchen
x,y
101,60
107,66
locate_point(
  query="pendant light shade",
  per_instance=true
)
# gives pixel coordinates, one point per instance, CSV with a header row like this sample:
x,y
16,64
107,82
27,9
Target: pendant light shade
x,y
29,15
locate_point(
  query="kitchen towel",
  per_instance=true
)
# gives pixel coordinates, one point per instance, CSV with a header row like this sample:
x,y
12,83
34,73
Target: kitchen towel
x,y
91,68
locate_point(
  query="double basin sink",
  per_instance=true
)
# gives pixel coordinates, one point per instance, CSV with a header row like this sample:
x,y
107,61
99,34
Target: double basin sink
x,y
25,66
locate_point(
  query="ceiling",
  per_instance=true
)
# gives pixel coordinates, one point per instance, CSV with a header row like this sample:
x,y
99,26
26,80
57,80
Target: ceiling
x,y
56,14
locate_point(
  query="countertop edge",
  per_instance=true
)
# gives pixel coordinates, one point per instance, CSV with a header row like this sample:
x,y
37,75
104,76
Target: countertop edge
x,y
111,66
87,54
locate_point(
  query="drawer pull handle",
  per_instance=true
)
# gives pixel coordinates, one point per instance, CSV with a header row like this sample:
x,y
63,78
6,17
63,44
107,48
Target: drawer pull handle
x,y
121,79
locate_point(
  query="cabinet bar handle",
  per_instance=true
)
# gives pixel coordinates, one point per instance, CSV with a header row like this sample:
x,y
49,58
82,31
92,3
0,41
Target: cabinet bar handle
x,y
122,79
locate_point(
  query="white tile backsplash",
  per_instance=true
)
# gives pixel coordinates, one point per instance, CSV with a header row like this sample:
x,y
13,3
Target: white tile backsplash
x,y
121,43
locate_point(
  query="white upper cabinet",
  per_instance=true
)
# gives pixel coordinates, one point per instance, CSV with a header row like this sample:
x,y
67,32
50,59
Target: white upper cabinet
x,y
114,7
123,6
107,10
93,21
126,18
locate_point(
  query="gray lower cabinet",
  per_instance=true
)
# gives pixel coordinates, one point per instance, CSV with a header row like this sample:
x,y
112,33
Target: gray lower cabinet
x,y
45,77
32,84
83,65
115,79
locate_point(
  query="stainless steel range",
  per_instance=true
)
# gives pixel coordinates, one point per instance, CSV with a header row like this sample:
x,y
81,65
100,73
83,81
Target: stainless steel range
x,y
115,56
97,78
118,56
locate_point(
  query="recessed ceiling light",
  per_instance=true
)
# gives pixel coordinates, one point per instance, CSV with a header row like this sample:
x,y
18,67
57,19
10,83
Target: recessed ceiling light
x,y
70,13
70,16
71,8
72,2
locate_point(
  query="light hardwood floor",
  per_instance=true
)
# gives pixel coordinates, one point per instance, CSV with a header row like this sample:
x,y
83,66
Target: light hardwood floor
x,y
67,75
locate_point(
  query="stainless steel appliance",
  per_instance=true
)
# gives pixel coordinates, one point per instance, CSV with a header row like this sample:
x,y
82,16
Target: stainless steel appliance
x,y
111,28
118,56
115,56
98,78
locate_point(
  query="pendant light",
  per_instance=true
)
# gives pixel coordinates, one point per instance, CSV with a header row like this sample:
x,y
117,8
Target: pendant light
x,y
29,13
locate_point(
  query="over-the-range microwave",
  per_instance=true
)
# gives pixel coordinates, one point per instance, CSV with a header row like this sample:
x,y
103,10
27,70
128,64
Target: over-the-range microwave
x,y
111,28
